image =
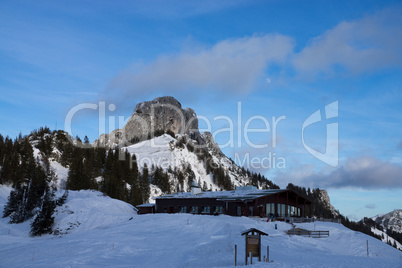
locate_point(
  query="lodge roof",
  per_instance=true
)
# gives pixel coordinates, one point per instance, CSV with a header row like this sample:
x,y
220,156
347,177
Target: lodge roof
x,y
147,205
240,194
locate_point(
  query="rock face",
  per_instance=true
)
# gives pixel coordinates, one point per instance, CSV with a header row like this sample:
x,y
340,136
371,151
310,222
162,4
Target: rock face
x,y
211,144
160,115
324,197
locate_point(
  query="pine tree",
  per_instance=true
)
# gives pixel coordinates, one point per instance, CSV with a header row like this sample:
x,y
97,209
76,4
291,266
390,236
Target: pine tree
x,y
86,141
79,174
135,192
14,200
144,184
43,221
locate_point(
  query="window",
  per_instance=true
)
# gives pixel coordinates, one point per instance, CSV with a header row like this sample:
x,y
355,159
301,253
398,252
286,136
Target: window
x,y
206,210
194,210
238,210
282,213
270,209
183,209
218,210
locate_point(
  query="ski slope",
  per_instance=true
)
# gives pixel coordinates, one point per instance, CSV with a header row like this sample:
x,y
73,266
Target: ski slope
x,y
111,234
385,238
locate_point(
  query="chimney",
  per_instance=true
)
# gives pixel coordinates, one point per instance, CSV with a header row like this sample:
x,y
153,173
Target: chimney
x,y
195,190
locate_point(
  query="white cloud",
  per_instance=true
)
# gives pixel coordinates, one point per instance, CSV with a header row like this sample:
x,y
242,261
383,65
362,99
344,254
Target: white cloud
x,y
234,65
231,66
364,172
354,47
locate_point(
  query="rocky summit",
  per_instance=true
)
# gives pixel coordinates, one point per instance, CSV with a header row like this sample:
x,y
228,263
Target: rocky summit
x,y
161,115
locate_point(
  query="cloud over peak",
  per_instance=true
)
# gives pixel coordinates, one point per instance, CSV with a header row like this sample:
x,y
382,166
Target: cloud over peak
x,y
232,65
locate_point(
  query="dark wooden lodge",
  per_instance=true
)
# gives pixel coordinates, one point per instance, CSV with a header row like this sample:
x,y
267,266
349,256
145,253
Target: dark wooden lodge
x,y
244,201
146,208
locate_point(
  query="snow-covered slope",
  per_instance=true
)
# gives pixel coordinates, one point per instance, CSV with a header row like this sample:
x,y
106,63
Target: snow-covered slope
x,y
385,238
61,174
110,238
162,152
88,210
166,152
82,211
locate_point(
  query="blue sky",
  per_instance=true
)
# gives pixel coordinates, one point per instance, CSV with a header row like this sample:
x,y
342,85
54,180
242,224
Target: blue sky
x,y
281,59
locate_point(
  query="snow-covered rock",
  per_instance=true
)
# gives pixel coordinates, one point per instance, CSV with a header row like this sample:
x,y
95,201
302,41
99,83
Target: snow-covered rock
x,y
391,220
163,152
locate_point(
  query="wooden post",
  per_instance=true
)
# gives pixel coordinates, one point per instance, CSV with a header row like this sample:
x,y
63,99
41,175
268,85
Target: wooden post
x,y
367,249
235,255
251,258
259,248
267,253
246,250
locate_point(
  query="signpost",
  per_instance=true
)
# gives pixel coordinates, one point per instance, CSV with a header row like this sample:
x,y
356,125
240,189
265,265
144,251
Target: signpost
x,y
253,243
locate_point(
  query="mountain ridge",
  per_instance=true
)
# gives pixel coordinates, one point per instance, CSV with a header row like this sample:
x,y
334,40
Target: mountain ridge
x,y
391,220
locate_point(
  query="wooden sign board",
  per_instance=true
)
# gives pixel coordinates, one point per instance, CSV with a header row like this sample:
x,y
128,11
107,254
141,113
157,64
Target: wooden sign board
x,y
253,241
253,245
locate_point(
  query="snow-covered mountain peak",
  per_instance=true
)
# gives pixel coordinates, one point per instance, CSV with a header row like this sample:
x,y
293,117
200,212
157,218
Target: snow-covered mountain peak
x,y
391,220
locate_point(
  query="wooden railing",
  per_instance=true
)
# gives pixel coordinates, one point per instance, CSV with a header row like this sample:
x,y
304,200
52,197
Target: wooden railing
x,y
302,232
300,220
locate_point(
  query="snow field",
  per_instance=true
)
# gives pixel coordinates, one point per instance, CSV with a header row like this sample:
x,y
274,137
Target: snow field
x,y
90,210
107,237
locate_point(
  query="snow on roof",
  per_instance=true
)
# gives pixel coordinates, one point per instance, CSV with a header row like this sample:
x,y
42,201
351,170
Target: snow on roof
x,y
225,195
148,205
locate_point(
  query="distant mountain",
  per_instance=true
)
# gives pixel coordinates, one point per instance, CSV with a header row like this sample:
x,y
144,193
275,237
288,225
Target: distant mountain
x,y
386,227
391,221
